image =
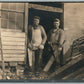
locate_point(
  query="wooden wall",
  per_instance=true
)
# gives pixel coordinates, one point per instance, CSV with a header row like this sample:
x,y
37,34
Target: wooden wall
x,y
73,24
11,25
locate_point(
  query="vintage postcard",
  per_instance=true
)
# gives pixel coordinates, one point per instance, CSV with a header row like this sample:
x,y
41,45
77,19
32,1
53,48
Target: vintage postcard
x,y
42,41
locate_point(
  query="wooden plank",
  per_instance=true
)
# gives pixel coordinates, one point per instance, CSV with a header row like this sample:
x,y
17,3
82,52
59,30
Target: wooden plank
x,y
20,63
6,64
0,57
72,74
14,55
9,39
13,59
13,64
69,64
12,34
48,65
10,30
46,8
10,10
14,51
14,47
79,76
14,43
26,28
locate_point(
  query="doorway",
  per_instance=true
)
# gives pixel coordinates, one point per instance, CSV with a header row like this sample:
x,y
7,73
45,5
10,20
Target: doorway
x,y
46,20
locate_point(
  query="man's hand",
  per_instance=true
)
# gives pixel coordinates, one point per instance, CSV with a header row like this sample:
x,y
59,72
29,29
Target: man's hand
x,y
49,43
41,46
60,49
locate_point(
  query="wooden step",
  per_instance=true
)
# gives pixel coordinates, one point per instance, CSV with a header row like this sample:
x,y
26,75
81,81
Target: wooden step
x,y
69,64
73,74
79,76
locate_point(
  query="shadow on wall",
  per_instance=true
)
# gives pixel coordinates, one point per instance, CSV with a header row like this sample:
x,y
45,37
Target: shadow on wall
x,y
76,49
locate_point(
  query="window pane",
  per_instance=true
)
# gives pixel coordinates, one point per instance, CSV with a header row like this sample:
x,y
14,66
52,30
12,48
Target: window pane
x,y
12,6
20,6
4,14
19,21
11,25
4,5
12,16
11,20
3,23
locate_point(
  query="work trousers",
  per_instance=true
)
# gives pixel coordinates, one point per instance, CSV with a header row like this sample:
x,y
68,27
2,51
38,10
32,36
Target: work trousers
x,y
35,58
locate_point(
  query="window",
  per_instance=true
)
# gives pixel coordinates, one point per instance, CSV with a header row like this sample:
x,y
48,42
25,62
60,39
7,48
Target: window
x,y
12,15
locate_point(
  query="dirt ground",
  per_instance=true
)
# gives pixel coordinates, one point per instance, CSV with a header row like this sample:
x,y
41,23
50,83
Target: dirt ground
x,y
22,74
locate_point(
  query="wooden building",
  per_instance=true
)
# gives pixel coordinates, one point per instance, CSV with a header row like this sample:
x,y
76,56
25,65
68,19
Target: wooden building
x,y
15,18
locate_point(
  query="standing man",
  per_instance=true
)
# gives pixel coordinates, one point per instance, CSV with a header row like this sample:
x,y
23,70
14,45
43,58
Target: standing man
x,y
55,40
36,41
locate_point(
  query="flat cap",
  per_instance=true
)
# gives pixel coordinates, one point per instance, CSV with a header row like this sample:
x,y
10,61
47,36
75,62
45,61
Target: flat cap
x,y
36,17
56,20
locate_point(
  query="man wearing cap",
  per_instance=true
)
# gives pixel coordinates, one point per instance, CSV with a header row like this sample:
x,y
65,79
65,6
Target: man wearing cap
x,y
55,40
36,41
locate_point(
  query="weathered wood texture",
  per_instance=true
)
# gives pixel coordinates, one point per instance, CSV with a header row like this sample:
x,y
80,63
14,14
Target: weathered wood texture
x,y
79,76
78,46
13,45
26,28
45,8
48,65
73,24
12,15
73,74
74,61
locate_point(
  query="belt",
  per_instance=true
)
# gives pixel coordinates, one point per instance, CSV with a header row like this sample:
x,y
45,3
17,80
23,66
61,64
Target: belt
x,y
55,43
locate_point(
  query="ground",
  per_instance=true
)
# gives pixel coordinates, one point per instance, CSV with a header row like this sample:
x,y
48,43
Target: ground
x,y
22,74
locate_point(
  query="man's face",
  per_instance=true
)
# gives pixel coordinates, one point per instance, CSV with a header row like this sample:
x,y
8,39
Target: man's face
x,y
56,24
36,22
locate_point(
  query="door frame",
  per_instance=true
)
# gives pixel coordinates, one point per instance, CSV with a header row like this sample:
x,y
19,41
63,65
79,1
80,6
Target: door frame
x,y
38,7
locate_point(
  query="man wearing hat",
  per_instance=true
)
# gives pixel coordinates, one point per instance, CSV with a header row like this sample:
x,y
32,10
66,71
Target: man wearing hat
x,y
36,41
55,40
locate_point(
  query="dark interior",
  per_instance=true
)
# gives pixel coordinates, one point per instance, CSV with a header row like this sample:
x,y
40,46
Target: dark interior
x,y
46,18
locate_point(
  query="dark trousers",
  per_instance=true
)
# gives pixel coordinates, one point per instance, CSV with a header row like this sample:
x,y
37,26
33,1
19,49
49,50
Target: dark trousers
x,y
36,59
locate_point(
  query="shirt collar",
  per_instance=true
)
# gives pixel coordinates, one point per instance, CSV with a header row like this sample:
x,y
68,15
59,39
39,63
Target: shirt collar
x,y
55,30
35,27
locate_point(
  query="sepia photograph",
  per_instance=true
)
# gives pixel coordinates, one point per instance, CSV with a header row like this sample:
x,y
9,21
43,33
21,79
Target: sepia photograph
x,y
42,41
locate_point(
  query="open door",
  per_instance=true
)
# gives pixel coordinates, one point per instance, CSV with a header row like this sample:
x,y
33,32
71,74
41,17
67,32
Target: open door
x,y
47,15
